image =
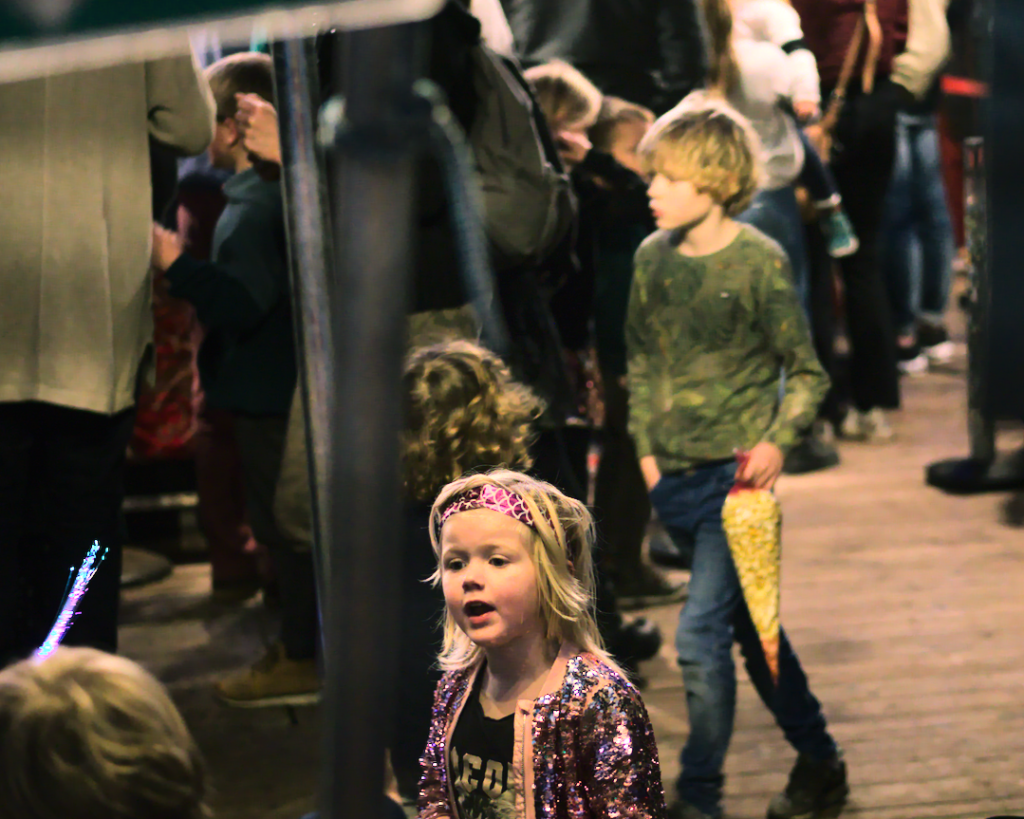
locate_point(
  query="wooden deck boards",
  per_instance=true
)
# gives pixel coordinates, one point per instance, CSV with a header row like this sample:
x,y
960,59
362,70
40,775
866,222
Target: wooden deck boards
x,y
905,606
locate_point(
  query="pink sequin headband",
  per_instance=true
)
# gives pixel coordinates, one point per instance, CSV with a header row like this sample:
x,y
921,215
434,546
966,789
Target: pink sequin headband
x,y
495,498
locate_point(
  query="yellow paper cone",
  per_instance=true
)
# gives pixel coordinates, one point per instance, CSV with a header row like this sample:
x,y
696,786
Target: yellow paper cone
x,y
752,521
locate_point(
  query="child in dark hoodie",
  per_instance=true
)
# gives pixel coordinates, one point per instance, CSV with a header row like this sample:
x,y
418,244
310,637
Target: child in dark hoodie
x,y
247,366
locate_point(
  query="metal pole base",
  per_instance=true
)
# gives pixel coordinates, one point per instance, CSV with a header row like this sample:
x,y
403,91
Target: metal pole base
x,y
140,567
970,476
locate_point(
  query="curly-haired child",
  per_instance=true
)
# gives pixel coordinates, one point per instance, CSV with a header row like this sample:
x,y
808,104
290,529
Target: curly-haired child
x,y
86,734
532,718
463,413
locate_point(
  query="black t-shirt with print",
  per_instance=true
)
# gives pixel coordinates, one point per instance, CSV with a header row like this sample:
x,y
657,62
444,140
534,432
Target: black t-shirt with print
x,y
480,762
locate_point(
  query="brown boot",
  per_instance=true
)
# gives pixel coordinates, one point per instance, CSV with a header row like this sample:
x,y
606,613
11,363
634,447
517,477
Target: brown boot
x,y
274,680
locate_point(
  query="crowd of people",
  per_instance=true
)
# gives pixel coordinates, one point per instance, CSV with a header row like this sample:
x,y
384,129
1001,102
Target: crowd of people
x,y
727,186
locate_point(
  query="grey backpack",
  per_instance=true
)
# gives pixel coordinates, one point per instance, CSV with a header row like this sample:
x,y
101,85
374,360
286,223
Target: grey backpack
x,y
528,202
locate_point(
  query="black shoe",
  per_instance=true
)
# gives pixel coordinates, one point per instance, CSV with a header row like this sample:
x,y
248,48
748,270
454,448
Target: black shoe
x,y
663,550
684,810
816,790
634,642
810,455
648,588
931,335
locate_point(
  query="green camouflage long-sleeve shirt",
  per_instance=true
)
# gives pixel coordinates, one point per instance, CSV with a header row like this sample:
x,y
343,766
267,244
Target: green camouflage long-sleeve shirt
x,y
707,339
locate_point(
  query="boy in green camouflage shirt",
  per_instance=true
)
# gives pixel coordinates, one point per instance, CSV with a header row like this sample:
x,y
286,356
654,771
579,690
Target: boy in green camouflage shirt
x,y
708,336
713,320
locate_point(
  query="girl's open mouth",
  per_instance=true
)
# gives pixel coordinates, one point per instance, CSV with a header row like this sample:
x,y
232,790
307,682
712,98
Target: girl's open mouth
x,y
477,611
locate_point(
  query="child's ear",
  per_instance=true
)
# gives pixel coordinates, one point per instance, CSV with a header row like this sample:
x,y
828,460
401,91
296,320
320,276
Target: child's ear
x,y
234,131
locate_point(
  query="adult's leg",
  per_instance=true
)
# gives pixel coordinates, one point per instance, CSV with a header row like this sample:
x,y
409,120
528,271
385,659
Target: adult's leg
x,y
81,464
621,505
935,227
261,444
16,440
899,254
862,164
823,318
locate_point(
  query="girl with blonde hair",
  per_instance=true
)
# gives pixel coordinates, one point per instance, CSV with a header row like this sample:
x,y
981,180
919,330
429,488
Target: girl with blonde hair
x,y
533,717
463,413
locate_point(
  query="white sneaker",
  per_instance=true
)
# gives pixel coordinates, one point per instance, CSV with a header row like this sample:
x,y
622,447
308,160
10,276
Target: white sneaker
x,y
876,425
915,366
871,426
853,426
941,353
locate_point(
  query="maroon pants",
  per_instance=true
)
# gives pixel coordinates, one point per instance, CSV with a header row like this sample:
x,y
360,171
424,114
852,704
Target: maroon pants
x,y
222,500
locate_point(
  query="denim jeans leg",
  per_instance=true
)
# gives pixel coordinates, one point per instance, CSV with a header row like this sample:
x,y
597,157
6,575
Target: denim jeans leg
x,y
899,252
704,642
935,230
796,710
690,506
816,177
777,214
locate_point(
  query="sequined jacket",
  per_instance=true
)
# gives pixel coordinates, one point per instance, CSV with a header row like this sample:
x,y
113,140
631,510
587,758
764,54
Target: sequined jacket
x,y
584,748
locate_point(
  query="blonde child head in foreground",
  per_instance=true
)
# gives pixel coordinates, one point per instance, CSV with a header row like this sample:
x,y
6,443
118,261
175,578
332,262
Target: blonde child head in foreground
x,y
89,735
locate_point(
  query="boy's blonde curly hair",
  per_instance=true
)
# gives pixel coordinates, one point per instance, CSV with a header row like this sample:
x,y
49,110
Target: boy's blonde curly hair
x,y
707,142
88,735
463,412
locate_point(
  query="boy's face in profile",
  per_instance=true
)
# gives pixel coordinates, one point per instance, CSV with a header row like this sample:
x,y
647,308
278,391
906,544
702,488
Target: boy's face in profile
x,y
676,203
625,140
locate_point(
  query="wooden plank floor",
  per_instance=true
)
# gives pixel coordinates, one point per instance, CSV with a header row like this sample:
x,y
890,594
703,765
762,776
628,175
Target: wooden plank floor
x,y
905,606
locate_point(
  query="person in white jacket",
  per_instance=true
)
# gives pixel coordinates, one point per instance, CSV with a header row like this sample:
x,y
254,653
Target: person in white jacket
x,y
776,22
75,321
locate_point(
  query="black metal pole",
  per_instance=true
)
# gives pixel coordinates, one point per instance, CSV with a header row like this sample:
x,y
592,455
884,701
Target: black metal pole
x,y
309,247
995,342
981,428
372,210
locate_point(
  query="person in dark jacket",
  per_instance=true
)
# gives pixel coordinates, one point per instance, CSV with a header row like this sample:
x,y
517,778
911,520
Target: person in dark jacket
x,y
651,53
888,73
247,367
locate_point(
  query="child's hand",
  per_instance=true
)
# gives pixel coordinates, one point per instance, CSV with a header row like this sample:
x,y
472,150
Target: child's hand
x,y
764,463
257,120
651,473
806,111
167,247
819,138
573,147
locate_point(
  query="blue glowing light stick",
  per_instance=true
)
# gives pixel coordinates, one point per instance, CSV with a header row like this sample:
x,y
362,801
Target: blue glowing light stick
x,y
63,622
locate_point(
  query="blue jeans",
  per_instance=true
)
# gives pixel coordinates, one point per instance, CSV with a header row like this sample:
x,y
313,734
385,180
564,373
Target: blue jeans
x,y
917,244
776,213
815,175
689,504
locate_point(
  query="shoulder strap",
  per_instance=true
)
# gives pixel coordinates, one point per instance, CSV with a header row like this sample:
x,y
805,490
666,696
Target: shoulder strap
x,y
867,22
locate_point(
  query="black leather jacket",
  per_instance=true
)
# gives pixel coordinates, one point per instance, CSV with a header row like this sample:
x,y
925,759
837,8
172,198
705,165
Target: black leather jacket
x,y
650,52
